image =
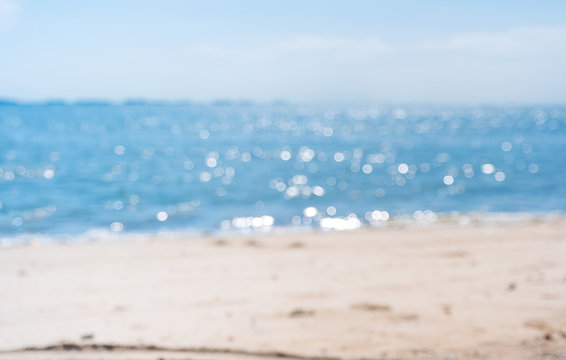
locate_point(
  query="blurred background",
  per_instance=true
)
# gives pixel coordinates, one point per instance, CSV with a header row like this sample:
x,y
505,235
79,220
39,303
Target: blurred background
x,y
141,116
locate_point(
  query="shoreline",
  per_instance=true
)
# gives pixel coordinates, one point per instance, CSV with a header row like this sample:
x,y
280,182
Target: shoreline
x,y
473,292
452,219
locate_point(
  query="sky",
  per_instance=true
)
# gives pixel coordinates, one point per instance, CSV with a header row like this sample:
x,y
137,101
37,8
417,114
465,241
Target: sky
x,y
302,51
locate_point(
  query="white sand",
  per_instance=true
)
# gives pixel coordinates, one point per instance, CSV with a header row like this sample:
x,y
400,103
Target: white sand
x,y
443,293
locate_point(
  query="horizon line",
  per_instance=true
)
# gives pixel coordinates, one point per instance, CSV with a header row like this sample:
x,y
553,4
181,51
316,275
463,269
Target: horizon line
x,y
226,101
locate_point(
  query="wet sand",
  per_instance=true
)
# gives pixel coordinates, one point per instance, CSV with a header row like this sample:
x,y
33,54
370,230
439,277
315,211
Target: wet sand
x,y
435,293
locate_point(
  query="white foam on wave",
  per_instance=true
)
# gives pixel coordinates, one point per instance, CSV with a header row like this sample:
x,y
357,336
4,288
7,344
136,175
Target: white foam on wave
x,y
267,224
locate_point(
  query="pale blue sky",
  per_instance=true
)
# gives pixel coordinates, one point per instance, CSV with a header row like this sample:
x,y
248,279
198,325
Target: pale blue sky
x,y
404,51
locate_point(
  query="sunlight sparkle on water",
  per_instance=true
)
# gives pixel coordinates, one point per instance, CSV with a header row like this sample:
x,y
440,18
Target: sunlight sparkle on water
x,y
448,180
310,211
285,155
499,176
116,226
487,168
367,169
48,174
351,222
145,167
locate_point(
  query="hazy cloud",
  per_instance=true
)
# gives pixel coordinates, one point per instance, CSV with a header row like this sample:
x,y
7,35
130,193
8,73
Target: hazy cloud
x,y
517,40
332,47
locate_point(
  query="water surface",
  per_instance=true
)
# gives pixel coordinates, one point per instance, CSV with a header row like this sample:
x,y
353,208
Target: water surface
x,y
141,167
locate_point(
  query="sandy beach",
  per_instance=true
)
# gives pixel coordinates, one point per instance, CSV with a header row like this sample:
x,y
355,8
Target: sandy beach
x,y
483,292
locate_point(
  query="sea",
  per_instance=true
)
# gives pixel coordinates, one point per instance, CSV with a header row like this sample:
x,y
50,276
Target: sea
x,y
141,167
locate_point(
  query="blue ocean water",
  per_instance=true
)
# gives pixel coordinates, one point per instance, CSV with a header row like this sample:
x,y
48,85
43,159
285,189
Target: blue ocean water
x,y
142,167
